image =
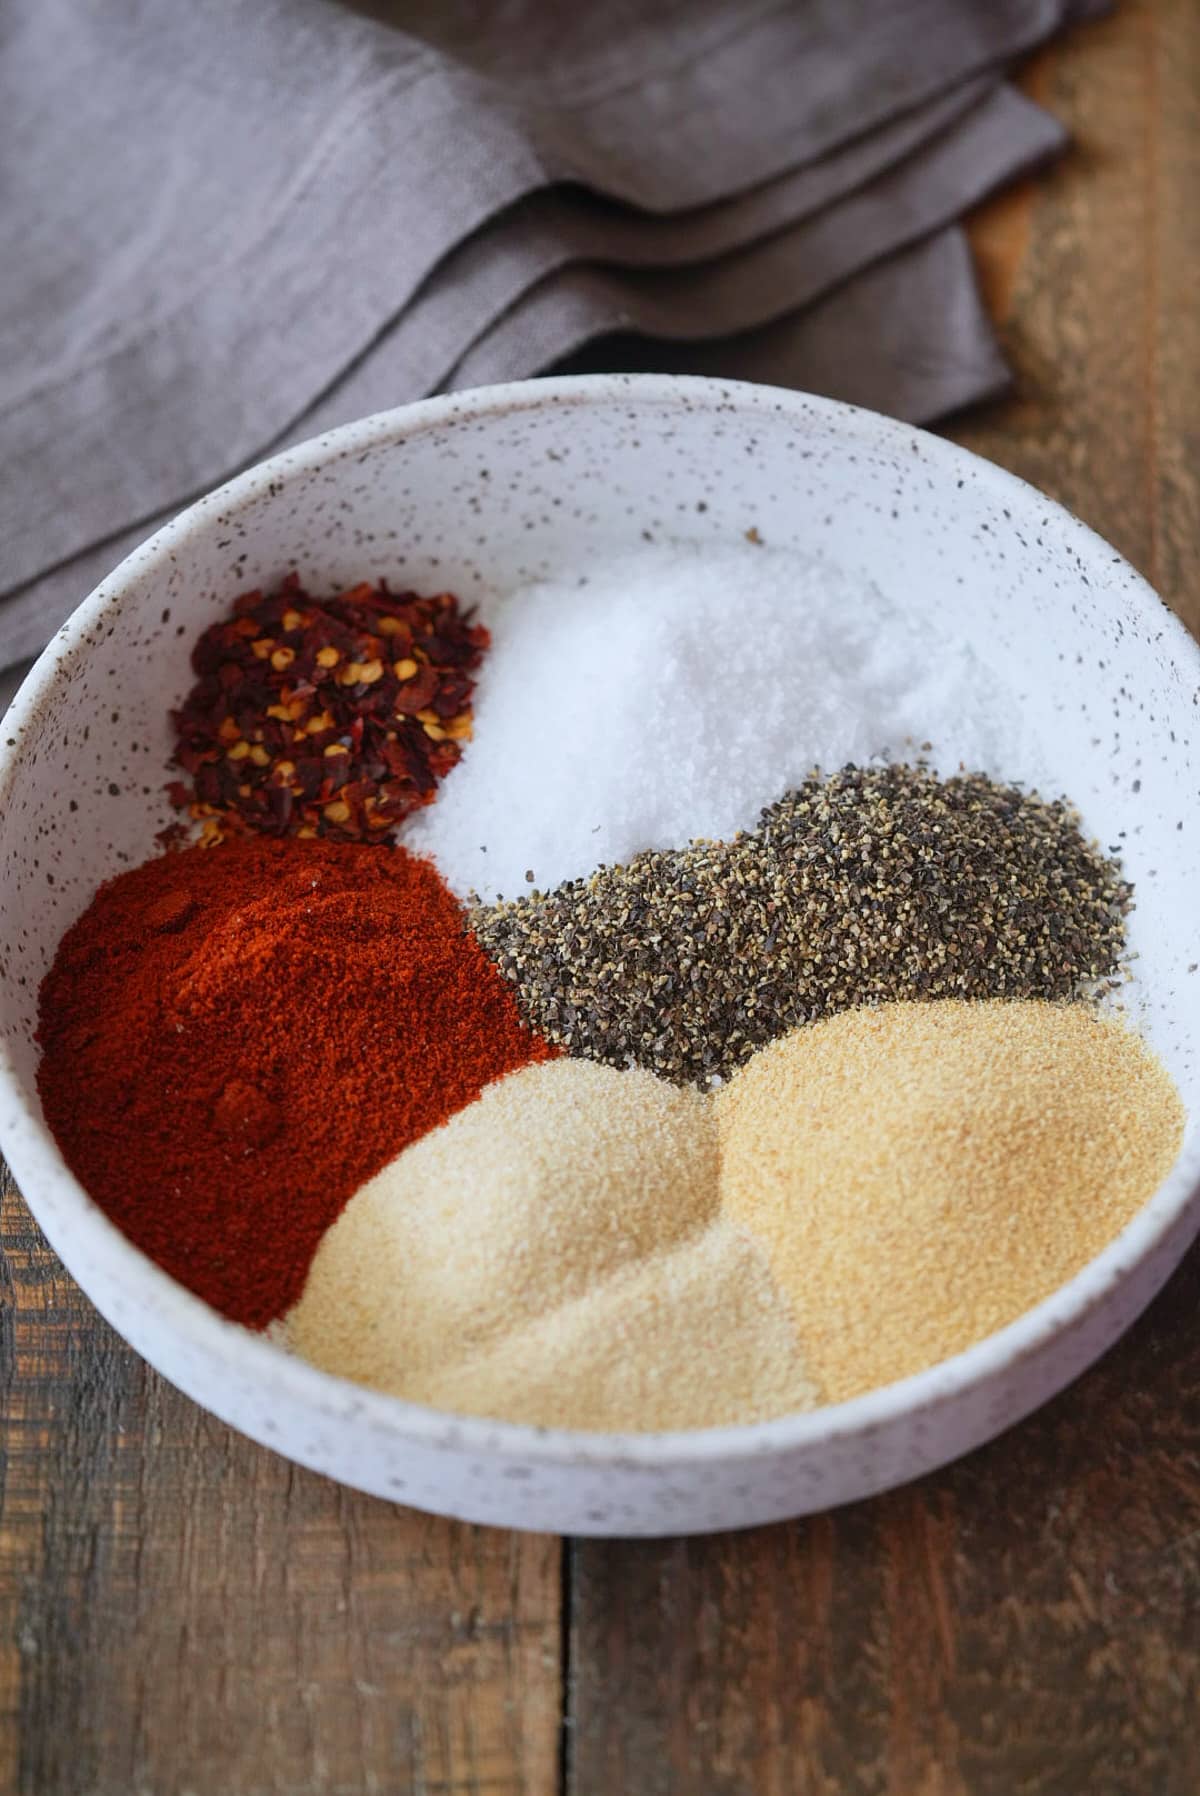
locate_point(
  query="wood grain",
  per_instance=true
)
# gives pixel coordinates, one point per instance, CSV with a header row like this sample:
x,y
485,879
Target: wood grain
x,y
1028,1621
1101,321
181,1611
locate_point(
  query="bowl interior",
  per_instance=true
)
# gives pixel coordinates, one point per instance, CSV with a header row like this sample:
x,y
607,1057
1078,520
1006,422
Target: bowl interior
x,y
486,492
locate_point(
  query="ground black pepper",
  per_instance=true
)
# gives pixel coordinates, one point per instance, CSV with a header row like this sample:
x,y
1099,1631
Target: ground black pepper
x,y
875,884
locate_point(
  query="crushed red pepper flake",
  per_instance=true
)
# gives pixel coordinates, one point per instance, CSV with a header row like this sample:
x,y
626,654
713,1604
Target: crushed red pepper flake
x,y
328,717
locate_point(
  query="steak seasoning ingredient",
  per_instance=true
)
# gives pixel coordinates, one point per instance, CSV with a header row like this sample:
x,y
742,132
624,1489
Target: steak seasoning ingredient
x,y
682,687
234,1040
877,883
922,1174
325,717
554,1255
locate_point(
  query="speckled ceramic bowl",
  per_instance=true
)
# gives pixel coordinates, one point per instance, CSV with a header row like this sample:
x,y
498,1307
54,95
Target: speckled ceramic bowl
x,y
496,487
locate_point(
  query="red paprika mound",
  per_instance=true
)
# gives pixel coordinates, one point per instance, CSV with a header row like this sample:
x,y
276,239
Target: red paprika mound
x,y
234,1039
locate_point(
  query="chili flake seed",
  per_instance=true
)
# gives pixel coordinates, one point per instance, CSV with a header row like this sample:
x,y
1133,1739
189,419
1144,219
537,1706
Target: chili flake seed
x,y
328,717
875,884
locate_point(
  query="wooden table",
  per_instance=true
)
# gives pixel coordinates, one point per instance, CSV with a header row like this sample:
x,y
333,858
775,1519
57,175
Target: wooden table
x,y
182,1612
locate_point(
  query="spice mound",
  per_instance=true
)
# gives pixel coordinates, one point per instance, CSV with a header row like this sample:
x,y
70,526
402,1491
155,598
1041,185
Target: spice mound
x,y
234,1040
922,1174
554,1255
877,883
685,686
325,717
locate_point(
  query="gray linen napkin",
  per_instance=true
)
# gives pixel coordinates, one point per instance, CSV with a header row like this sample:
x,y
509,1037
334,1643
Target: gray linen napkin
x,y
993,133
478,282
214,210
1002,136
908,336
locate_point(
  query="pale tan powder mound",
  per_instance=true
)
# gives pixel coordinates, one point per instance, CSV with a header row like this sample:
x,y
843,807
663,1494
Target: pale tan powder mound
x,y
694,1337
554,1254
921,1174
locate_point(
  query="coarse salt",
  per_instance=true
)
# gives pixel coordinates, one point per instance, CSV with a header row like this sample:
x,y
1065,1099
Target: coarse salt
x,y
677,691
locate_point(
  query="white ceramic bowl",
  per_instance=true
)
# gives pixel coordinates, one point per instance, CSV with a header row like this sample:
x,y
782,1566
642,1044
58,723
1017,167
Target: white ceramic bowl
x,y
493,488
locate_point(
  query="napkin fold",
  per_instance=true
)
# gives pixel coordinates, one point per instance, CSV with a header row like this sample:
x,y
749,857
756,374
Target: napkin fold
x,y
908,336
231,226
1004,135
556,227
869,342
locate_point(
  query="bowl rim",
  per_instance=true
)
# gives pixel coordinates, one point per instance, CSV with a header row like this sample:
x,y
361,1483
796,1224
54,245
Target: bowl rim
x,y
34,1154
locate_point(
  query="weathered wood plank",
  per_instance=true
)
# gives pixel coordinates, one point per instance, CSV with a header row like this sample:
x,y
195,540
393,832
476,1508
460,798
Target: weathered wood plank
x,y
1097,300
1030,1619
182,1611
1027,1621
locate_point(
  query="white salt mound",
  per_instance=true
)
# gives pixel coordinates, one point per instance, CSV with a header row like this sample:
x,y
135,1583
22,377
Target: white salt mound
x,y
679,691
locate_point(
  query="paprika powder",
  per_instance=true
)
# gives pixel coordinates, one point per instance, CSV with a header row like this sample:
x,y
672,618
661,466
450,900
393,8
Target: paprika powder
x,y
236,1038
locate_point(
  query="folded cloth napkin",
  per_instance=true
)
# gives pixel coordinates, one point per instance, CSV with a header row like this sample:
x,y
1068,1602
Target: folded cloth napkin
x,y
1004,135
226,223
869,342
908,336
996,136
